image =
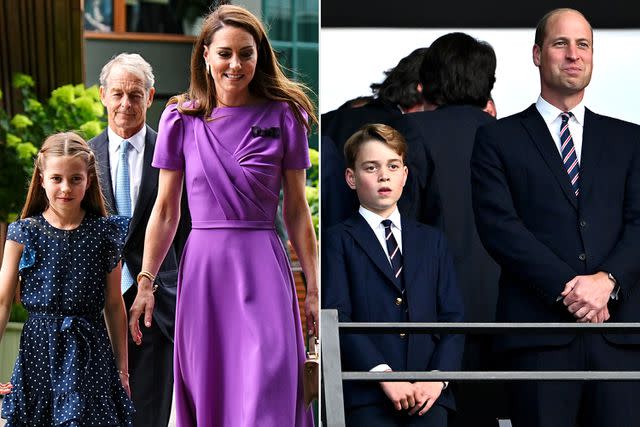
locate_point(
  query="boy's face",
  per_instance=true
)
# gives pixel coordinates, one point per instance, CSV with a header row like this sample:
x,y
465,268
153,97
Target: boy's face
x,y
378,177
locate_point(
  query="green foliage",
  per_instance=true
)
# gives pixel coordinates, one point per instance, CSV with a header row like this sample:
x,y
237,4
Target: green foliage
x,y
18,313
312,187
69,108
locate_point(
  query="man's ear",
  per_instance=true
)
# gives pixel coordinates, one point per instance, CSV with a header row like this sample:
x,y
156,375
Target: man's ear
x,y
537,51
152,92
350,177
103,94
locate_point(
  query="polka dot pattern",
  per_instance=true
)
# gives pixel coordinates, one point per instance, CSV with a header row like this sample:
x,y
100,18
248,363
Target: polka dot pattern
x,y
65,373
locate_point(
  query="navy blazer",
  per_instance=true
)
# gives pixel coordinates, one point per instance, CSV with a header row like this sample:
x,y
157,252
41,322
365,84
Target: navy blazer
x,y
164,311
541,234
358,281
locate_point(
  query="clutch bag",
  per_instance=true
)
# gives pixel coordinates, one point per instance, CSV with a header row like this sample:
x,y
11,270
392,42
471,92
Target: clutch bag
x,y
311,372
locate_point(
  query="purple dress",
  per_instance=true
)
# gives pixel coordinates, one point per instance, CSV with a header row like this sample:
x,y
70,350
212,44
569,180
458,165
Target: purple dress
x,y
238,340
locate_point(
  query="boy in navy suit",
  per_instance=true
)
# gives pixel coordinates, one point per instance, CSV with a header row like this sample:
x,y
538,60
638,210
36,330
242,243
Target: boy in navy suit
x,y
379,266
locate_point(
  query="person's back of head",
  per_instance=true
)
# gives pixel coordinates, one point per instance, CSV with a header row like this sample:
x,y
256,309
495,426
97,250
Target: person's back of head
x,y
400,87
357,102
458,70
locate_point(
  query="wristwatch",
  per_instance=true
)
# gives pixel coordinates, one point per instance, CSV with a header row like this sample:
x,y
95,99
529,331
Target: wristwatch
x,y
616,287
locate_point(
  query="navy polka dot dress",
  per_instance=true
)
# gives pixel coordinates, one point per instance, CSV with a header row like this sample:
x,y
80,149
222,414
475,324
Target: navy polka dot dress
x,y
65,373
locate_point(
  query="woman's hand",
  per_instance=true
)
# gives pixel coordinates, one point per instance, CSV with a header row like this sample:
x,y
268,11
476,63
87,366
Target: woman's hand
x,y
144,303
124,380
297,219
5,388
311,310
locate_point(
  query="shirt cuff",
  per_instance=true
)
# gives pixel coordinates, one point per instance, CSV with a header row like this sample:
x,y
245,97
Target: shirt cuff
x,y
383,367
446,383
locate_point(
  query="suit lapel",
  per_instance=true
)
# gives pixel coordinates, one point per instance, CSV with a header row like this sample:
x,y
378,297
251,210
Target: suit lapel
x,y
149,183
104,170
366,238
593,137
539,134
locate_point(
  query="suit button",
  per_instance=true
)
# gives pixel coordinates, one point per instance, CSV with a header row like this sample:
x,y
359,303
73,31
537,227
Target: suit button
x,y
583,223
403,336
582,257
398,301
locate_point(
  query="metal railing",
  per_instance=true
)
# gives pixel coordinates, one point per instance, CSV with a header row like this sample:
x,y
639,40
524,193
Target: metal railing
x,y
332,374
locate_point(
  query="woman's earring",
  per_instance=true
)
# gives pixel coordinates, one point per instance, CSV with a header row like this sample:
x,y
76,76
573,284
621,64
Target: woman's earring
x,y
207,67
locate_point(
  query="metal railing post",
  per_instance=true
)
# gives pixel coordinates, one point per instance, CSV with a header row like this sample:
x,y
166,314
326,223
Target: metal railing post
x,y
333,374
331,369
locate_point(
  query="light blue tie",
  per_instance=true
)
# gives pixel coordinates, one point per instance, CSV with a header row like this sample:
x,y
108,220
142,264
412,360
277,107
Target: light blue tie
x,y
123,203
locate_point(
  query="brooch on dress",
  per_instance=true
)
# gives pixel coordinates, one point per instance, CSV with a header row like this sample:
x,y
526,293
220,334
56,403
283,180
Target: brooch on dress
x,y
273,132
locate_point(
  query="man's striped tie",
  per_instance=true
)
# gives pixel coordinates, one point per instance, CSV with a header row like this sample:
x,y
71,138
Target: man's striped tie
x,y
569,156
394,250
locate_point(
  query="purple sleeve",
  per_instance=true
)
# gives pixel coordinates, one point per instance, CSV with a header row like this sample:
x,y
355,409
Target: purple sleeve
x,y
168,152
296,145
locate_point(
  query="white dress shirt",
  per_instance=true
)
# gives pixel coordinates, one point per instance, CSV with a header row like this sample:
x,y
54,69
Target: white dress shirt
x,y
551,116
135,158
375,222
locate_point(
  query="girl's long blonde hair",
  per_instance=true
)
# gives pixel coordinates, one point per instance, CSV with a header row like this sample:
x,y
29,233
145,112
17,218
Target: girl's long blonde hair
x,y
59,145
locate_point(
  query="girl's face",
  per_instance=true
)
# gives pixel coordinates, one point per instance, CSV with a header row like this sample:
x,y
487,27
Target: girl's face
x,y
232,57
65,179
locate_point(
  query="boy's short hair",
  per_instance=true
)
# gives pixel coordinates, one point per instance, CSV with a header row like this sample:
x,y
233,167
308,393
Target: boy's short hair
x,y
377,132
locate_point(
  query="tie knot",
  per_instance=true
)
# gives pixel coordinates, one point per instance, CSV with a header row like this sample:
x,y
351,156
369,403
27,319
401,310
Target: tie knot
x,y
387,223
566,116
124,147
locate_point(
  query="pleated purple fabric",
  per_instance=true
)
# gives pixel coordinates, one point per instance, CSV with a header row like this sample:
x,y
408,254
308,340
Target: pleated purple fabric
x,y
238,339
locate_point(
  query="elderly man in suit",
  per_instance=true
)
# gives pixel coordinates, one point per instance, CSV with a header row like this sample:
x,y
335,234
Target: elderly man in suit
x,y
129,183
556,193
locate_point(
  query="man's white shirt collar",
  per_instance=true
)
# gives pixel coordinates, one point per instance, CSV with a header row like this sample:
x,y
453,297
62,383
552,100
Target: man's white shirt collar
x,y
550,112
137,140
374,220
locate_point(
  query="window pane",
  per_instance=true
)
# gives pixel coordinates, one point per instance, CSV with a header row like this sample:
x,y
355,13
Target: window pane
x,y
98,15
154,16
307,13
277,17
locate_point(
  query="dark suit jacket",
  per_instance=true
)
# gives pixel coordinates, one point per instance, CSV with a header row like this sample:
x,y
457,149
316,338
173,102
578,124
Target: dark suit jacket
x,y
337,126
448,134
357,280
541,234
164,312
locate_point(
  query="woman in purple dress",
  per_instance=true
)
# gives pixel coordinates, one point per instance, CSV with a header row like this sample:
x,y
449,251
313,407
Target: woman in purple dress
x,y
237,137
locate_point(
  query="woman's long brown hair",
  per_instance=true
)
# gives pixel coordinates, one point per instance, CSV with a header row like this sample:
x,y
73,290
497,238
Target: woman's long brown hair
x,y
269,80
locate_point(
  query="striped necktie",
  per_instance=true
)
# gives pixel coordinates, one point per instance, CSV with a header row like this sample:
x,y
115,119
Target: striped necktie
x,y
394,251
569,156
123,203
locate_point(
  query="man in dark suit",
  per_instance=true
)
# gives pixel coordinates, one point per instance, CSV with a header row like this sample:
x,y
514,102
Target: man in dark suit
x,y
126,90
556,192
399,93
379,266
457,75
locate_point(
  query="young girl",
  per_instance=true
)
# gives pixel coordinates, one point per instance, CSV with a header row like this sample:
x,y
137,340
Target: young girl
x,y
66,253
